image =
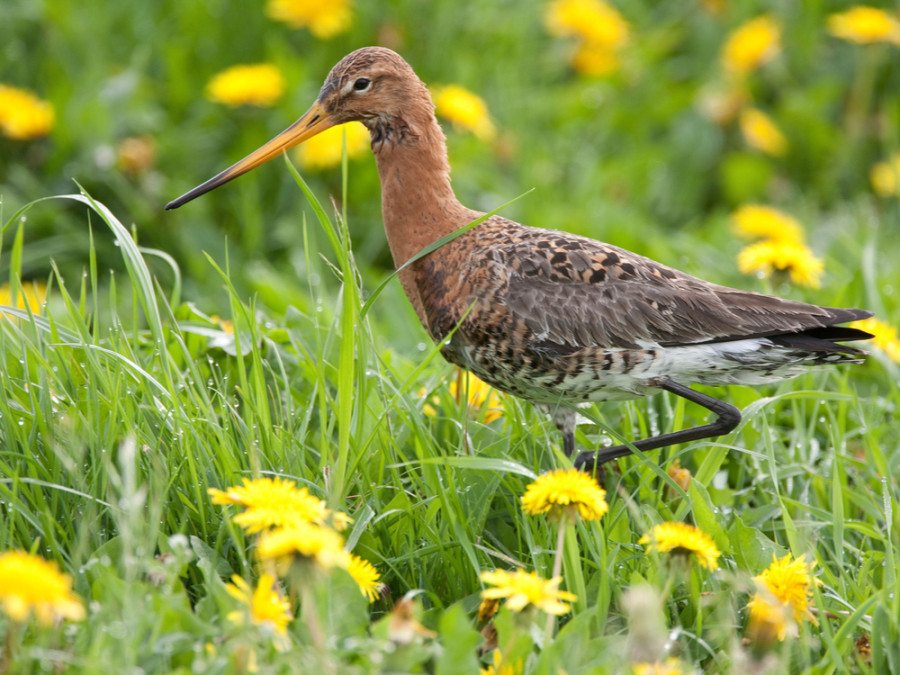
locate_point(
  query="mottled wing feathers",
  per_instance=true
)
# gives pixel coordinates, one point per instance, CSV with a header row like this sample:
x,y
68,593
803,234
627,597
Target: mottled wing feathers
x,y
576,292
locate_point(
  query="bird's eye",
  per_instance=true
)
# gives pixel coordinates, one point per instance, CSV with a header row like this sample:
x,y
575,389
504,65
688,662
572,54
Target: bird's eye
x,y
362,84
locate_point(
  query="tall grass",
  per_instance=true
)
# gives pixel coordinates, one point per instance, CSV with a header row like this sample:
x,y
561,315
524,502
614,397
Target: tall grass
x,y
114,423
125,397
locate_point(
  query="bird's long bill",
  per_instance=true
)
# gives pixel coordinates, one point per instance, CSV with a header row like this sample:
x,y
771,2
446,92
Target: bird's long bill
x,y
313,122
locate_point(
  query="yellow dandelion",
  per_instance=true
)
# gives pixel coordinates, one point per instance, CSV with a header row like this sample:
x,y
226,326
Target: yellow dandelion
x,y
564,493
671,666
28,583
522,589
680,475
761,133
304,540
23,116
885,336
790,582
260,84
323,19
479,393
465,110
487,609
751,45
326,150
500,666
768,622
137,154
683,539
227,326
782,257
33,296
755,221
365,575
265,606
276,502
885,177
865,25
593,21
595,59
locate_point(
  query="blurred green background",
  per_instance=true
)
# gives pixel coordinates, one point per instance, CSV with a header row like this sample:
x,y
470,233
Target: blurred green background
x,y
632,158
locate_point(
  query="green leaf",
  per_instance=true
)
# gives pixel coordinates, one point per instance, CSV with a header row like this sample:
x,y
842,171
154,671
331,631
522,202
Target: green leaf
x,y
459,641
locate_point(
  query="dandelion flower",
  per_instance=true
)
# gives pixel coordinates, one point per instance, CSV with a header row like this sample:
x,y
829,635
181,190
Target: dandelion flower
x,y
276,502
885,177
595,59
500,666
751,45
23,116
33,296
885,336
522,589
465,110
28,583
326,150
564,493
671,666
761,133
304,540
365,575
227,326
264,605
684,539
865,25
600,28
680,475
323,19
791,257
594,21
755,221
790,582
478,393
487,609
769,621
260,85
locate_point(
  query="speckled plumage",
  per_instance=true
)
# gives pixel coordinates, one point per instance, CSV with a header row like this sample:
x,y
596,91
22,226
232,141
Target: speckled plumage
x,y
546,315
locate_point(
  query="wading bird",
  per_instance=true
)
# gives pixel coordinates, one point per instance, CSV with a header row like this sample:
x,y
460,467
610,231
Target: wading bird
x,y
552,317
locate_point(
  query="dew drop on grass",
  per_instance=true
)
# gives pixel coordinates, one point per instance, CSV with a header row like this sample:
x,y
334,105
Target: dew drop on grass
x,y
421,346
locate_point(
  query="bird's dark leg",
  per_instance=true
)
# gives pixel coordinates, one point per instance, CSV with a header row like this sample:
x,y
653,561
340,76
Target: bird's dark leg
x,y
568,443
564,418
727,418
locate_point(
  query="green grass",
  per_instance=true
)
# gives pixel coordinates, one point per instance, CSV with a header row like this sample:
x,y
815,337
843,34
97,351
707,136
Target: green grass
x,y
123,400
114,425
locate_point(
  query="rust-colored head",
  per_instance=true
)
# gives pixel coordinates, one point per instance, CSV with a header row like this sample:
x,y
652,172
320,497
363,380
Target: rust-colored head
x,y
373,85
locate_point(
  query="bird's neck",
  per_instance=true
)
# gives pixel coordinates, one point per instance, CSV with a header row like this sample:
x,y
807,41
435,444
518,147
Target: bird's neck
x,y
417,201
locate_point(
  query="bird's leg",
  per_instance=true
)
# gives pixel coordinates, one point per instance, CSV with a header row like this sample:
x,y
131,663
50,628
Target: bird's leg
x,y
564,418
568,443
727,418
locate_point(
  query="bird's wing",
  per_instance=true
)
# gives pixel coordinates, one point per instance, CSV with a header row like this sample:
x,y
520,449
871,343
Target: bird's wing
x,y
577,292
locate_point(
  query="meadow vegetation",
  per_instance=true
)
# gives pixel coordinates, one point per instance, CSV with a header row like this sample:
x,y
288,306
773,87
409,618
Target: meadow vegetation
x,y
226,444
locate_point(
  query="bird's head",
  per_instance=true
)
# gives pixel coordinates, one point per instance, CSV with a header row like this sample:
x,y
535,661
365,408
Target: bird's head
x,y
372,85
